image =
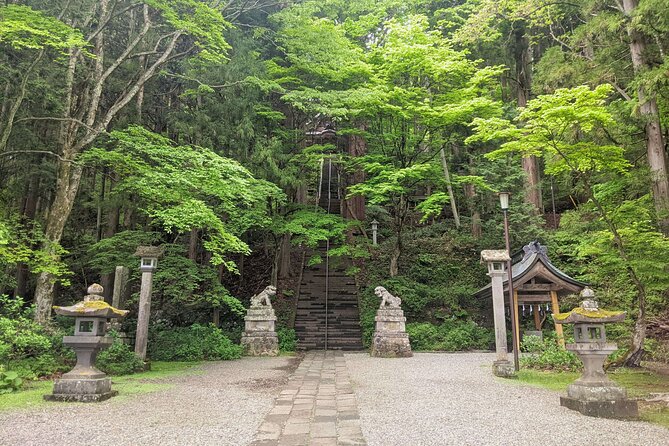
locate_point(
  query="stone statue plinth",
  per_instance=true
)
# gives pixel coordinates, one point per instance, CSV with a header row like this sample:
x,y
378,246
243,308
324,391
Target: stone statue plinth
x,y
594,394
390,338
85,383
259,337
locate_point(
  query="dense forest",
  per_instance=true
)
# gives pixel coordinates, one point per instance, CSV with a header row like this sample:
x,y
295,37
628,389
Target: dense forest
x,y
205,127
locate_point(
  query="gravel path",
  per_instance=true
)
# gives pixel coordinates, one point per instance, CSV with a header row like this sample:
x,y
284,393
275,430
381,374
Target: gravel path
x,y
224,405
453,399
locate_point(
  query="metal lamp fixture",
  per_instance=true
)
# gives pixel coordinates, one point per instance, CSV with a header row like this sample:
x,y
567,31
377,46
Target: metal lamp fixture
x,y
504,200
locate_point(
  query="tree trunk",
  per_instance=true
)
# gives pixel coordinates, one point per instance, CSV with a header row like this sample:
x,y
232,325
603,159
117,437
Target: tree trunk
x,y
192,245
284,261
357,146
69,176
649,113
523,61
29,211
449,187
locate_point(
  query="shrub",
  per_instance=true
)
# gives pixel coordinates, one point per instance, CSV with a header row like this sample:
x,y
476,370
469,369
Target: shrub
x,y
119,359
9,382
287,339
452,335
194,343
547,354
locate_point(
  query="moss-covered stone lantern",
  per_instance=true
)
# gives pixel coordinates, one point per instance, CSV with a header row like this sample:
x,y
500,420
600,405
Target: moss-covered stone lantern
x,y
85,383
594,394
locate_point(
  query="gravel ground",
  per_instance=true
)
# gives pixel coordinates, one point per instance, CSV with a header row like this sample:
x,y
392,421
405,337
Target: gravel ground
x,y
224,405
453,399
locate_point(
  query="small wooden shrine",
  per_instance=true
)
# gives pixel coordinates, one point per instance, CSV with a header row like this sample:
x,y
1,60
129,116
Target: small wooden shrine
x,y
537,285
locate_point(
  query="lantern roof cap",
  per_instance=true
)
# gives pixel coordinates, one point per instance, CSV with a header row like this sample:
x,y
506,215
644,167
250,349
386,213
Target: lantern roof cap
x,y
149,251
93,305
589,312
494,255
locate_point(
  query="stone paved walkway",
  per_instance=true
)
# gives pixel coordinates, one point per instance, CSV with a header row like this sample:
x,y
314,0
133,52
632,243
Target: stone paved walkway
x,y
316,407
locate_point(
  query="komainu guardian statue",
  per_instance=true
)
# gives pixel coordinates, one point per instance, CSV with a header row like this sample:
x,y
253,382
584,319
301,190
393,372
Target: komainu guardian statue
x,y
390,338
387,299
262,299
259,337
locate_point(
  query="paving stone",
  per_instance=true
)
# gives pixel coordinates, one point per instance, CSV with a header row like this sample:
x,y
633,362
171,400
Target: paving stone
x,y
316,407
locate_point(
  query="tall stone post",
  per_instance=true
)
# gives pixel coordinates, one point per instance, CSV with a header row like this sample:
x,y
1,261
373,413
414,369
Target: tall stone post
x,y
148,265
120,284
496,261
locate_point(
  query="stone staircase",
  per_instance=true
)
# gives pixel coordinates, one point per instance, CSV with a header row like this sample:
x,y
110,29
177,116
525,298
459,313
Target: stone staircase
x,y
343,318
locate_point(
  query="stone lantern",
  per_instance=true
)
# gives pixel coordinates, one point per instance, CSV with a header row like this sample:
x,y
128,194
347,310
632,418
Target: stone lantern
x,y
149,256
496,261
375,229
594,394
85,383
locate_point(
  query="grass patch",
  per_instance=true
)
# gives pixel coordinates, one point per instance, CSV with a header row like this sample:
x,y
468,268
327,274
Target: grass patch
x,y
557,381
640,383
33,392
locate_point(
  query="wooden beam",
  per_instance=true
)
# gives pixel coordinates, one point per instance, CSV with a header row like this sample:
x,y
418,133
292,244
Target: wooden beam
x,y
537,317
516,339
537,298
538,287
556,309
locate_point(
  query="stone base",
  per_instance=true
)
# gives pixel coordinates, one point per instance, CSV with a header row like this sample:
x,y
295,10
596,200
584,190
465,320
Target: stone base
x,y
503,369
260,344
621,409
391,345
83,390
83,398
603,390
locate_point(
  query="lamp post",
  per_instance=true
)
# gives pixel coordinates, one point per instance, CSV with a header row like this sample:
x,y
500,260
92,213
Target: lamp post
x,y
504,204
375,228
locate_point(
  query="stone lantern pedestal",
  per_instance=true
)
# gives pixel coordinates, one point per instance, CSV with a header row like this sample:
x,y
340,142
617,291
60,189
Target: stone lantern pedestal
x,y
594,394
85,383
259,337
390,338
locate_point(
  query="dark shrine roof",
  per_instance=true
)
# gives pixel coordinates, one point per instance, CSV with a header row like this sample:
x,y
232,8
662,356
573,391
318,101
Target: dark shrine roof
x,y
535,266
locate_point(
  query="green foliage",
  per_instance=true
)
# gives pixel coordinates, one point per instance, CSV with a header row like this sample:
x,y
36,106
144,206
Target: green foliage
x,y
452,335
287,339
21,244
20,337
567,127
187,187
592,255
202,22
194,343
547,354
9,382
21,27
118,359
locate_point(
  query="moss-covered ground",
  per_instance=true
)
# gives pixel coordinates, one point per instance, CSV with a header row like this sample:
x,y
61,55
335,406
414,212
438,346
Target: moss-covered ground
x,y
640,383
32,394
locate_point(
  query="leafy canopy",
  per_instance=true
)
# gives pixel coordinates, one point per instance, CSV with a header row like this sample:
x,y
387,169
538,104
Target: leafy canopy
x,y
188,187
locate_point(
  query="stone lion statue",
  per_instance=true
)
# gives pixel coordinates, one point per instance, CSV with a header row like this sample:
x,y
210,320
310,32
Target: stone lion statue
x,y
387,299
262,299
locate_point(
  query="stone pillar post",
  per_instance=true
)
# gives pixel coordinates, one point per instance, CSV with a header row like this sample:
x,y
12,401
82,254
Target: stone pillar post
x,y
120,283
149,263
496,260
